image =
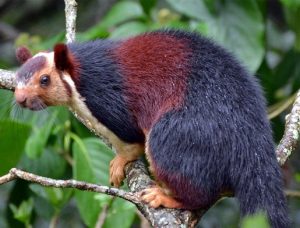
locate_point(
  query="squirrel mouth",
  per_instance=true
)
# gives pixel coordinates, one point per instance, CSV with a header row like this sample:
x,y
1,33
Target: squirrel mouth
x,y
34,105
37,105
36,108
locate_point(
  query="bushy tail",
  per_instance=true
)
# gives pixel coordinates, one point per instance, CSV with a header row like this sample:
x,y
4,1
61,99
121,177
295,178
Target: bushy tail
x,y
260,189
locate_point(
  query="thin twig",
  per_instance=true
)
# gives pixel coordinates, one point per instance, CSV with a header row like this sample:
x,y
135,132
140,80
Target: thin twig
x,y
102,216
49,182
54,220
280,107
66,155
290,138
71,15
292,193
7,80
7,178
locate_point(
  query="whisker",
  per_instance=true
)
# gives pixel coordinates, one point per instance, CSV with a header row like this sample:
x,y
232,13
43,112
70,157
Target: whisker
x,y
42,107
17,112
15,115
5,109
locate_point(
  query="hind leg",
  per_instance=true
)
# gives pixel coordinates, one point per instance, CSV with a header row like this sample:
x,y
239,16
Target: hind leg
x,y
182,164
158,194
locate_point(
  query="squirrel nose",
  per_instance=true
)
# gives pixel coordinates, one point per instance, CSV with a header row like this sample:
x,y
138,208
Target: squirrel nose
x,y
20,97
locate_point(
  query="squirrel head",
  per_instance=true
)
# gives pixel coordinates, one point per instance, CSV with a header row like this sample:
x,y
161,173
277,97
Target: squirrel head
x,y
45,79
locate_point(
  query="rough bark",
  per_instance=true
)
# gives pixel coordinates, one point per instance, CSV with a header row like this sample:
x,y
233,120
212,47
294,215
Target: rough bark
x,y
71,15
290,138
7,80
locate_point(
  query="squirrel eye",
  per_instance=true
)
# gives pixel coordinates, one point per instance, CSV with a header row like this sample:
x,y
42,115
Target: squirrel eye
x,y
45,80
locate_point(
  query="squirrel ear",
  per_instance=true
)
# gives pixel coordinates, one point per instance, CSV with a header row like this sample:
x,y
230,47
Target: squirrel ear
x,y
62,58
23,54
65,61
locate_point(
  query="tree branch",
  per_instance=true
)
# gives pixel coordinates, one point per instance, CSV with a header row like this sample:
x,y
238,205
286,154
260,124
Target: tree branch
x,y
290,138
292,193
49,182
7,80
71,15
138,179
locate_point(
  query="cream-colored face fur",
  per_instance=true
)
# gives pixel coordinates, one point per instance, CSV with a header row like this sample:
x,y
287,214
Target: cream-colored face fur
x,y
34,95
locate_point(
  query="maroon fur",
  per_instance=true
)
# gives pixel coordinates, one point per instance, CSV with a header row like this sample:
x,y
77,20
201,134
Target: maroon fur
x,y
184,191
23,54
65,61
155,72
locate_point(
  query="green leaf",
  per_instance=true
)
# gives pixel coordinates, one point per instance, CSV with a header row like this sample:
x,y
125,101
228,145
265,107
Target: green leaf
x,y
63,114
49,164
172,23
53,195
43,208
297,177
129,29
97,156
56,196
193,8
81,130
259,220
237,25
49,43
291,3
24,115
91,164
292,14
6,102
95,32
38,140
120,214
224,214
148,5
104,199
23,212
38,190
11,143
121,12
284,77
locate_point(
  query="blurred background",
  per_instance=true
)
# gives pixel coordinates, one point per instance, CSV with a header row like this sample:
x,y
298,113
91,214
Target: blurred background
x,y
263,34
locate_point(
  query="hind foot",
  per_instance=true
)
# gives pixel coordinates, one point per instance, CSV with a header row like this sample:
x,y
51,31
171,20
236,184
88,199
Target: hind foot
x,y
156,196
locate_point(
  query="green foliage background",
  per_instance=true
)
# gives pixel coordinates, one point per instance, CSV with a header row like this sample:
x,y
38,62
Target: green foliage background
x,y
263,34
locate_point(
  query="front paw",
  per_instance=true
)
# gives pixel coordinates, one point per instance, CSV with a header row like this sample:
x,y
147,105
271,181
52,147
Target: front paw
x,y
116,171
